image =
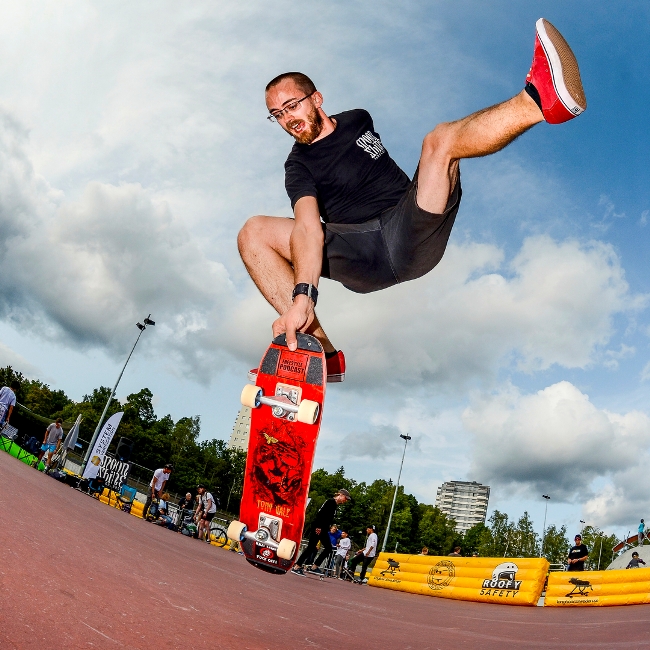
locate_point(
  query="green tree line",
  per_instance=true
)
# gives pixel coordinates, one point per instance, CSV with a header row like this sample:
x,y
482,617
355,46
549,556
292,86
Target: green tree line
x,y
156,441
414,525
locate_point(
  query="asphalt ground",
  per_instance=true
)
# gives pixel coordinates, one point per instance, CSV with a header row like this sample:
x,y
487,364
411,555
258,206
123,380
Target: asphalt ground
x,y
75,573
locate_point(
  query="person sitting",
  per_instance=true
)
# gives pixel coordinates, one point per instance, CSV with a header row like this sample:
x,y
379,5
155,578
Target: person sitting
x,y
635,561
163,516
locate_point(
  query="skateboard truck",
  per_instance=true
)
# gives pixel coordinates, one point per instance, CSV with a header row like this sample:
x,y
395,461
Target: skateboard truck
x,y
282,403
267,534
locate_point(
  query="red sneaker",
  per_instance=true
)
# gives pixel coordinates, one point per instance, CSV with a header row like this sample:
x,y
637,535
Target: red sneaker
x,y
335,368
554,74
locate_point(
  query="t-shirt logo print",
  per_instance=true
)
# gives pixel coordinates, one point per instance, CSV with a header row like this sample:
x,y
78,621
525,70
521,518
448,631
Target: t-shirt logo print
x,y
371,144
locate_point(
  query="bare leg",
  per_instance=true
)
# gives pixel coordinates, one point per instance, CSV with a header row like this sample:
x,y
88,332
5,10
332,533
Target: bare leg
x,y
479,134
264,248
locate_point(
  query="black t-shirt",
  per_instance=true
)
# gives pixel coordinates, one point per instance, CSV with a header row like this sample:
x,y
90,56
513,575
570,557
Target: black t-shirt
x,y
349,172
325,516
580,551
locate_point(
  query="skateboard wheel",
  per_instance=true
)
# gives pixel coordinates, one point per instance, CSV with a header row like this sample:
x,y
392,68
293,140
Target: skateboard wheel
x,y
250,396
236,531
286,549
307,411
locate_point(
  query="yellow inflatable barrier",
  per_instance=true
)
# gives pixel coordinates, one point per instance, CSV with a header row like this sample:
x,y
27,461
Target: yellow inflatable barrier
x,y
509,581
594,588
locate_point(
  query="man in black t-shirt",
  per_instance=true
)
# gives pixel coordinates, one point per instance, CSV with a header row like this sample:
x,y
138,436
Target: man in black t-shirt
x,y
378,227
577,555
320,532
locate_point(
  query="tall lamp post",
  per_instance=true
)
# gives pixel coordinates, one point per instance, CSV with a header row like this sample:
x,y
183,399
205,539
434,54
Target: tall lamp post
x,y
142,328
390,516
546,500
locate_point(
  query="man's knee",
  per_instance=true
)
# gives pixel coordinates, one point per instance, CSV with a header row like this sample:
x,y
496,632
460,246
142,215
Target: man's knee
x,y
438,144
251,233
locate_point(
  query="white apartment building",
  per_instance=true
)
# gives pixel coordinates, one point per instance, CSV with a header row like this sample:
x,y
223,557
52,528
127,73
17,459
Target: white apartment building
x,y
241,430
466,503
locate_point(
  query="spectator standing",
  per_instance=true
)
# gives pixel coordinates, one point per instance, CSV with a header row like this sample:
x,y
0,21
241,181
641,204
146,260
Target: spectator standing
x,y
205,512
320,532
577,555
456,552
51,442
635,561
157,486
366,554
641,532
342,550
8,401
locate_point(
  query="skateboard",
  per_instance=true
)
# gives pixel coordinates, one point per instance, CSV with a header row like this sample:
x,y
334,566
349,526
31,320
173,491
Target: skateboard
x,y
286,408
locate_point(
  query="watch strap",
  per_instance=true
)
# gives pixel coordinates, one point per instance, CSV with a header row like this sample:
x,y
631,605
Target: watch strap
x,y
308,290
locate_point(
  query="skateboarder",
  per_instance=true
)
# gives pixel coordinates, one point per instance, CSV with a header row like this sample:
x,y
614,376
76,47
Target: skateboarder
x,y
320,532
379,227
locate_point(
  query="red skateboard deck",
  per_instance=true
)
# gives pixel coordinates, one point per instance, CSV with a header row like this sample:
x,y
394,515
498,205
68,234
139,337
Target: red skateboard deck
x,y
286,409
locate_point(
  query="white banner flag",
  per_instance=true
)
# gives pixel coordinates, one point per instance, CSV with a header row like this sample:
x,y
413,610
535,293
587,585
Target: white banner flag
x,y
101,445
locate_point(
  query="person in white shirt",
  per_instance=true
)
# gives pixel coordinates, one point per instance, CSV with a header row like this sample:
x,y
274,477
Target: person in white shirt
x,y
205,512
342,549
8,401
366,555
157,486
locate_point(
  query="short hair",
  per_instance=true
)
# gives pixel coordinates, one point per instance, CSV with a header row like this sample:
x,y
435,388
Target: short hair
x,y
456,548
15,385
59,421
170,467
301,80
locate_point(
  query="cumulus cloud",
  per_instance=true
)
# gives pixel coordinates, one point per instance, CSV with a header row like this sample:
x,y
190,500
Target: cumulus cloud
x,y
553,303
557,441
83,272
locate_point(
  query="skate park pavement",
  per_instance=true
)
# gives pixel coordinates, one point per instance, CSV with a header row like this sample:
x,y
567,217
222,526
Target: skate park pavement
x,y
76,573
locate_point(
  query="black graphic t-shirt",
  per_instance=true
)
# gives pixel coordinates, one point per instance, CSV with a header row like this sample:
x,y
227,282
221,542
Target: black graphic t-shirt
x,y
580,551
349,172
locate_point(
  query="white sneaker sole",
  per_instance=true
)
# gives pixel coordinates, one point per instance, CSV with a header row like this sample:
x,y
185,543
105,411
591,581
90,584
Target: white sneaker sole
x,y
558,52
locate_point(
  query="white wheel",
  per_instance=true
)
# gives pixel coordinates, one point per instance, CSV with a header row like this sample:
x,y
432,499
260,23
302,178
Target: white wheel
x,y
286,549
236,531
307,411
250,395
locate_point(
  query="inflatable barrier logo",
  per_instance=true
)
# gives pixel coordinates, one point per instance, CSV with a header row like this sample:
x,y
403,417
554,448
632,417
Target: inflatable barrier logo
x,y
504,581
441,575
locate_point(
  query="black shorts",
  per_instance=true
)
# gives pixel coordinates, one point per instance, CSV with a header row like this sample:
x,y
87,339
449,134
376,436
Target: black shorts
x,y
403,243
209,516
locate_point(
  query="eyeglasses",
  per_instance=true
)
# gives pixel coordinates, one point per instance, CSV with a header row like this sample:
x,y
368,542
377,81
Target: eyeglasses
x,y
289,108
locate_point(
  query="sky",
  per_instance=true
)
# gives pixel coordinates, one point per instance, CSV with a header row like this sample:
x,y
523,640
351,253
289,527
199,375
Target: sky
x,y
134,146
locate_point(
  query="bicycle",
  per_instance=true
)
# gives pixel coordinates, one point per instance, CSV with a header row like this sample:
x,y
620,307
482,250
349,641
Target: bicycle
x,y
218,535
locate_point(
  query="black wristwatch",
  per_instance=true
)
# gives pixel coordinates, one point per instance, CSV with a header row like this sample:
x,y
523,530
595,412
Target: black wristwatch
x,y
308,290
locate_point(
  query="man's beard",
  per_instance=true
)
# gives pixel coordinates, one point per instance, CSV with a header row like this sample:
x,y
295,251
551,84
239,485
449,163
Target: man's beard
x,y
314,127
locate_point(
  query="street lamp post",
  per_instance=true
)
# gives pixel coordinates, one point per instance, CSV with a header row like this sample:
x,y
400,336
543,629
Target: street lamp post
x,y
546,500
390,516
142,328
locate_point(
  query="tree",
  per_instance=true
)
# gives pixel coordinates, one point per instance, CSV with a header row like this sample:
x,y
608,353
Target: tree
x,y
472,539
437,531
600,546
495,539
556,544
524,541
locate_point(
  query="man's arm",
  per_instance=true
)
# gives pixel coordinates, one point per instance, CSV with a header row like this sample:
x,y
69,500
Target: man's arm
x,y
10,410
307,259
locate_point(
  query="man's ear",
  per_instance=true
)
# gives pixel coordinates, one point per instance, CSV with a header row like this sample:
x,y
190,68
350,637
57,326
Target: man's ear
x,y
317,99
